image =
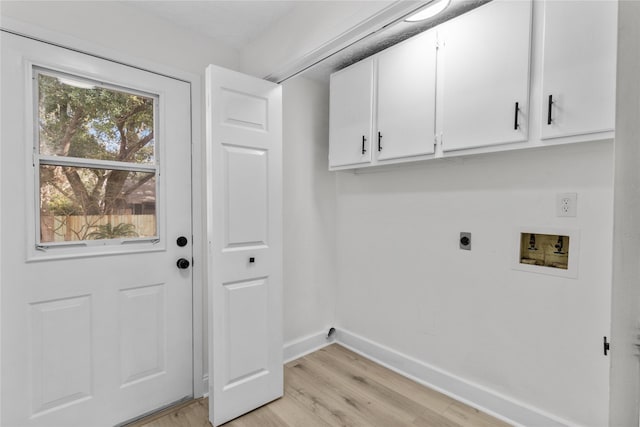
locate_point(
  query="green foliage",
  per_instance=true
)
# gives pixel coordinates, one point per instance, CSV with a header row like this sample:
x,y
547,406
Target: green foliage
x,y
93,123
96,123
62,206
108,231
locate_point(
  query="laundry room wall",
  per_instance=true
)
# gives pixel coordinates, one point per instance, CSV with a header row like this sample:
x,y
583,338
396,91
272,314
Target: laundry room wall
x,y
309,212
405,285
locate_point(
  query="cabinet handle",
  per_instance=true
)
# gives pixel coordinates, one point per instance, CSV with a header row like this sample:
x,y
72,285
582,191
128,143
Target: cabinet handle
x,y
515,120
379,141
364,150
549,121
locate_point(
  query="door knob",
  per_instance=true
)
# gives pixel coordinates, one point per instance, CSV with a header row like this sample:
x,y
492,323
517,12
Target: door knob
x,y
182,263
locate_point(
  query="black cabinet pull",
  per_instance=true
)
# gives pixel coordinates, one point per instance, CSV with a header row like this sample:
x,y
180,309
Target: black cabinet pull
x,y
549,109
379,141
515,120
364,150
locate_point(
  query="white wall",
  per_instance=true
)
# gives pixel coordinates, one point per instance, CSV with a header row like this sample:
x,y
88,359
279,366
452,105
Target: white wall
x,y
309,211
126,29
625,327
403,282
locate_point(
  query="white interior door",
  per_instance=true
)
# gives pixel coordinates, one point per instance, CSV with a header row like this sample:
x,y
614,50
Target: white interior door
x,y
244,141
95,173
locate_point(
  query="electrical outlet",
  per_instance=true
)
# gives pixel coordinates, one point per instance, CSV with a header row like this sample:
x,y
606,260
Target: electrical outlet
x,y
465,241
567,204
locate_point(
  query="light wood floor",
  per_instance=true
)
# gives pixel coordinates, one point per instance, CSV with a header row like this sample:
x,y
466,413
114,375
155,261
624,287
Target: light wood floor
x,y
336,387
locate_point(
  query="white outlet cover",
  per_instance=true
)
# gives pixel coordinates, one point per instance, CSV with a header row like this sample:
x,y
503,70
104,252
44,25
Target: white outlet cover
x,y
567,204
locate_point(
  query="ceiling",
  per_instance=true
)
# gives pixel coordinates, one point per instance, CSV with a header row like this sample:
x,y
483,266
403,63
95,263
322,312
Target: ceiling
x,y
237,23
234,23
387,36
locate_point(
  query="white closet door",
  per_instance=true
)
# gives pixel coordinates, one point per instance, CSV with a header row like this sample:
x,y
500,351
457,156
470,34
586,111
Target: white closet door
x,y
244,141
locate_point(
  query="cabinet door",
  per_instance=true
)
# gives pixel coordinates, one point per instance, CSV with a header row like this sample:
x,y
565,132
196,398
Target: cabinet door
x,y
579,67
350,115
484,75
406,98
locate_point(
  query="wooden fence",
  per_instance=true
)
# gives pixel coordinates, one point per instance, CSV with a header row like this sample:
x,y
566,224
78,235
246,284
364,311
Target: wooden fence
x,y
78,227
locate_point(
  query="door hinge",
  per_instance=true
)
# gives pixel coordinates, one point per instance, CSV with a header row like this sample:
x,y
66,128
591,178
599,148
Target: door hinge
x,y
437,139
606,346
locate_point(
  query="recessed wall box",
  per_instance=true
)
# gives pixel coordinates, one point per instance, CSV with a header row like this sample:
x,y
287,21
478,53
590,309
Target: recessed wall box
x,y
547,251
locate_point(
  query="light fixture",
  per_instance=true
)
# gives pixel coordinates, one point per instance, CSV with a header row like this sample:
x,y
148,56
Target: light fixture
x,y
429,11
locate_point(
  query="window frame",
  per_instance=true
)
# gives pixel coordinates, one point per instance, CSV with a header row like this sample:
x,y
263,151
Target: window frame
x,y
83,248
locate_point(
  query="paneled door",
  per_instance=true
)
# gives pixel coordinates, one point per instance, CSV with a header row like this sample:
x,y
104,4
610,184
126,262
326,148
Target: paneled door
x,y
244,143
95,194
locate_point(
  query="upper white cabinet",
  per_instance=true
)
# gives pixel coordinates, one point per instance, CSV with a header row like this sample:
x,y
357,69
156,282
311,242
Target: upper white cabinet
x,y
385,105
406,98
579,67
466,85
484,76
351,114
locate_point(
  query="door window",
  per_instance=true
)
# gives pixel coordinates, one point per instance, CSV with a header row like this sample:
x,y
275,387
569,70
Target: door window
x,y
96,154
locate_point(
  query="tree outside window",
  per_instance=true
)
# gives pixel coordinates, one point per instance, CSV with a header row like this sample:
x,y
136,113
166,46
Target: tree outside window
x,y
97,160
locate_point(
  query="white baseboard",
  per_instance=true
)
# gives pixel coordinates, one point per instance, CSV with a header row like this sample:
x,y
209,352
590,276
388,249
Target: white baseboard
x,y
305,345
477,396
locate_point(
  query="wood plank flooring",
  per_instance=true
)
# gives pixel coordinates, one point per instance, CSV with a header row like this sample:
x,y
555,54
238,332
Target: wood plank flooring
x,y
336,387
